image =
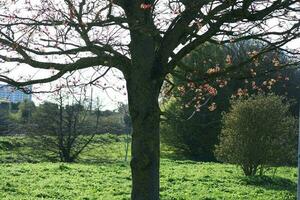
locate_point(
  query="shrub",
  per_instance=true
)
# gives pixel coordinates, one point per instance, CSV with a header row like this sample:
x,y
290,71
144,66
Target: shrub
x,y
194,138
257,132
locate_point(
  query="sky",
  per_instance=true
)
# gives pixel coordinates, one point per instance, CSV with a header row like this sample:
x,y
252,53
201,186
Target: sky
x,y
110,90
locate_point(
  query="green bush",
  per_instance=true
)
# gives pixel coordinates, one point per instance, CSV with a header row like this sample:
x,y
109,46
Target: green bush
x,y
257,132
194,138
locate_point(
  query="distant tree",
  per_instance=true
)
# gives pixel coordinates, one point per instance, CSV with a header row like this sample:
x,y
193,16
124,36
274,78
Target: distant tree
x,y
25,111
63,129
123,108
192,138
97,113
4,106
6,125
15,106
257,132
111,122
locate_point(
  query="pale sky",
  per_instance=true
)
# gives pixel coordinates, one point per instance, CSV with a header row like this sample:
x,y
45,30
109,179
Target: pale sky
x,y
113,89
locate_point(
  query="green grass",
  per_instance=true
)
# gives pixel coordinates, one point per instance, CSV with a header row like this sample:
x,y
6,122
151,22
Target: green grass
x,y
179,180
101,173
104,148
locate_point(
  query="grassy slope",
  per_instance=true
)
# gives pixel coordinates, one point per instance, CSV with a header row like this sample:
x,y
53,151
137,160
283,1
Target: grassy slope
x,y
179,179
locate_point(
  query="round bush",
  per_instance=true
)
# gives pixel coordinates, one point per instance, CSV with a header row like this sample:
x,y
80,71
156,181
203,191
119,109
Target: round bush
x,y
257,132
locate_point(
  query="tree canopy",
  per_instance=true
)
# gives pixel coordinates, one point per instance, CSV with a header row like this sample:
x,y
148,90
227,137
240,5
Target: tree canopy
x,y
64,36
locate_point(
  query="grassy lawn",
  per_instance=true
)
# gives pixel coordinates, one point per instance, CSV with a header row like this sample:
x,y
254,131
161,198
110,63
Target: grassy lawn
x,y
104,148
109,178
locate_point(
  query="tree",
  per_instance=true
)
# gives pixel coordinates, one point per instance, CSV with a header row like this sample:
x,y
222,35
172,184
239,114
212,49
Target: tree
x,y
144,39
62,129
192,137
25,110
194,133
111,122
252,138
5,124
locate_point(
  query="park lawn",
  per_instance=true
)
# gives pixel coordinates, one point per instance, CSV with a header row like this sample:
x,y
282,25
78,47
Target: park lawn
x,y
179,180
19,149
102,173
106,148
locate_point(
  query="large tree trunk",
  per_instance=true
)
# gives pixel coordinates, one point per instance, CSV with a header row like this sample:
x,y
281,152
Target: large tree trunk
x,y
143,94
144,79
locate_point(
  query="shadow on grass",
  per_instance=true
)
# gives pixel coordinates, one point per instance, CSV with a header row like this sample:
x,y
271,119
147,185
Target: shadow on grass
x,y
100,161
271,183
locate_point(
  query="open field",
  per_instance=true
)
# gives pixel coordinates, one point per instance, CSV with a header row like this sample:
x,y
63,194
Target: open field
x,y
109,178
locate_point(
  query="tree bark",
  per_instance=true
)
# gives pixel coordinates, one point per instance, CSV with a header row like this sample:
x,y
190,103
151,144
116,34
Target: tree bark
x,y
143,94
144,79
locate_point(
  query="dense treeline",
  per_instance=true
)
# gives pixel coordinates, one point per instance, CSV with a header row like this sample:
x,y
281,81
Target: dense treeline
x,y
110,121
